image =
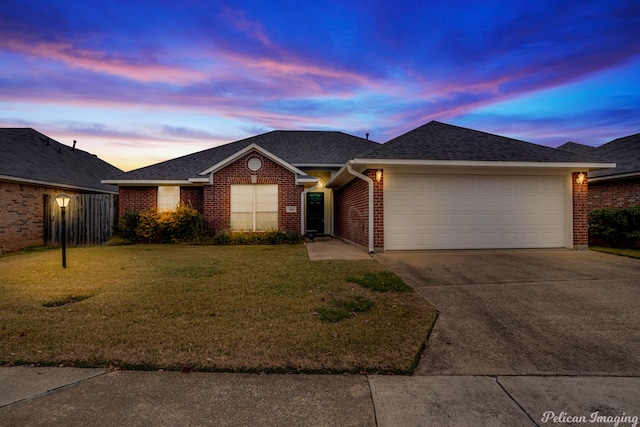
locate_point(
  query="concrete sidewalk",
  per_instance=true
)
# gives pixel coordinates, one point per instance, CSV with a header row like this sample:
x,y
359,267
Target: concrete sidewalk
x,y
82,397
329,248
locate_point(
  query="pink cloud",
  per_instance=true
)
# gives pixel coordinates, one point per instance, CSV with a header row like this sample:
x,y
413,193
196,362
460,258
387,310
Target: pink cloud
x,y
101,62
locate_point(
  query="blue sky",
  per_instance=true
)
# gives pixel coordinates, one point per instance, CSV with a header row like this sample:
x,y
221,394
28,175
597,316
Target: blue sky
x,y
141,81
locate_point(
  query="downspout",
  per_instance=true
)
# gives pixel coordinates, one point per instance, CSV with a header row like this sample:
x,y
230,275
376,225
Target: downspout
x,y
370,181
302,205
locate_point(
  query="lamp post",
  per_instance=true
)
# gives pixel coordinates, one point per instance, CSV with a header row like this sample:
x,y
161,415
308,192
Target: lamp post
x,y
63,201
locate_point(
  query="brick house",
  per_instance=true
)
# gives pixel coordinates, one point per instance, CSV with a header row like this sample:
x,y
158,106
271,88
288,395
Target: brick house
x,y
33,165
436,187
617,187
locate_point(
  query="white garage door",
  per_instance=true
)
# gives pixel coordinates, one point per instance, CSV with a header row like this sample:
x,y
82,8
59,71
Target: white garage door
x,y
473,211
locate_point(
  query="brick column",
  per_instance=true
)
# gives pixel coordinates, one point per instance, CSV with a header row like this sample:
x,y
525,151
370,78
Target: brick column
x,y
580,212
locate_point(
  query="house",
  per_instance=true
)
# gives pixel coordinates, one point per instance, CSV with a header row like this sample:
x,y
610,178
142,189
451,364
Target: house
x,y
613,187
436,187
33,165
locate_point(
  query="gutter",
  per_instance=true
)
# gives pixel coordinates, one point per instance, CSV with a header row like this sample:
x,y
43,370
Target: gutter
x,y
370,182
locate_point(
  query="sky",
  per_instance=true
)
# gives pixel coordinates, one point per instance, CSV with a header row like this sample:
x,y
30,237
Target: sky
x,y
137,82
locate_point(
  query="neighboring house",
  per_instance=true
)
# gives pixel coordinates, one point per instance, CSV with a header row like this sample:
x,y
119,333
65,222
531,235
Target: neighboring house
x,y
33,165
436,187
613,187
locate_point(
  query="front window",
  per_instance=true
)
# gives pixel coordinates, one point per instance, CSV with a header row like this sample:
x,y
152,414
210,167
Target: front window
x,y
254,207
168,197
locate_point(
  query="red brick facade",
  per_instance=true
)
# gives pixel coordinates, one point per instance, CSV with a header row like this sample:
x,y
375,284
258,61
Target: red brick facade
x,y
352,211
137,199
620,193
22,213
214,200
217,197
193,197
580,211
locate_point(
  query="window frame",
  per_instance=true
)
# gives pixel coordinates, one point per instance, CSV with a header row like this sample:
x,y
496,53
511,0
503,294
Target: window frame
x,y
168,201
254,202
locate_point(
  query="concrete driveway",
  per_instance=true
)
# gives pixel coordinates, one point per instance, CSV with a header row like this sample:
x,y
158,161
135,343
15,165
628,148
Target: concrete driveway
x,y
527,312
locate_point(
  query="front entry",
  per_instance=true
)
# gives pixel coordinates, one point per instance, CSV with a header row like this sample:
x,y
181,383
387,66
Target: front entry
x,y
315,212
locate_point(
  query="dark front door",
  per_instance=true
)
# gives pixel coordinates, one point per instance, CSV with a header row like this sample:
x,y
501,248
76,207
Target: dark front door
x,y
315,212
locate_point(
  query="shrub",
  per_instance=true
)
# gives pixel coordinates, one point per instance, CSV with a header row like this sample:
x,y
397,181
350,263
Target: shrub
x,y
615,227
274,237
128,225
185,224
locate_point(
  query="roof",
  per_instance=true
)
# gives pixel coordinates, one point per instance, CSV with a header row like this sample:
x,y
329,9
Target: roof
x,y
440,141
299,148
625,152
574,147
26,155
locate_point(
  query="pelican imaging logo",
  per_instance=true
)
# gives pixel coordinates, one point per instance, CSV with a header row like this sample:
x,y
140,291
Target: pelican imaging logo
x,y
593,418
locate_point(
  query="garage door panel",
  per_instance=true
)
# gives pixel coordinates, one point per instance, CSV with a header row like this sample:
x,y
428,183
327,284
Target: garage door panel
x,y
474,211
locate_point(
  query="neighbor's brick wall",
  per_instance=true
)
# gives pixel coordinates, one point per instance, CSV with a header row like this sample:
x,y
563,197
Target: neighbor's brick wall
x,y
22,214
620,193
352,211
580,211
217,197
137,199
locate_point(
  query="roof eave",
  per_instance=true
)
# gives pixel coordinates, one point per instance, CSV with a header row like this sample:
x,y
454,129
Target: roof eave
x,y
56,184
142,182
614,177
252,147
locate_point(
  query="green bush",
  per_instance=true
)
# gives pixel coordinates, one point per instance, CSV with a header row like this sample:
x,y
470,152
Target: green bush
x,y
274,237
185,224
615,227
127,226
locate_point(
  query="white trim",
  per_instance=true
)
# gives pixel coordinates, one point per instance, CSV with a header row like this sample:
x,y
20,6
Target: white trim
x,y
614,177
300,180
149,182
246,150
497,163
55,184
303,222
318,165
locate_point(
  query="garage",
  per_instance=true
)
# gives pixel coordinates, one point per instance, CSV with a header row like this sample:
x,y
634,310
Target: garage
x,y
474,211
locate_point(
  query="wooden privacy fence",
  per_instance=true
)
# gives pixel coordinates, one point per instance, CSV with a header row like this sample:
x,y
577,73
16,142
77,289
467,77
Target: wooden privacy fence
x,y
90,219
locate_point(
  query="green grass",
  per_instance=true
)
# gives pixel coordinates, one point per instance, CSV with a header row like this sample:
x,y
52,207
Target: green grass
x,y
381,281
632,253
240,309
341,309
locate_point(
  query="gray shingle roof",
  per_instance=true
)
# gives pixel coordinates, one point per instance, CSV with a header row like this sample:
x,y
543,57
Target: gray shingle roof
x,y
27,154
625,152
298,148
440,141
574,147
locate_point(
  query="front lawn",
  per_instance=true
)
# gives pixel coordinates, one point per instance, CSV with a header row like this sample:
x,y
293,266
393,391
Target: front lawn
x,y
240,308
632,253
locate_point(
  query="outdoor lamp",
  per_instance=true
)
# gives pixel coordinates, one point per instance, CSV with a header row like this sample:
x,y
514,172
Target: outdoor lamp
x,y
63,201
378,175
580,178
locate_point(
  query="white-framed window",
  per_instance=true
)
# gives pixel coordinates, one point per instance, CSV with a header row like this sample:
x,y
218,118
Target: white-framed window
x,y
168,197
254,207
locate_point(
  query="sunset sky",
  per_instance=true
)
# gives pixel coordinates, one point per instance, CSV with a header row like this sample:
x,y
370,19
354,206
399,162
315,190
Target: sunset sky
x,y
141,81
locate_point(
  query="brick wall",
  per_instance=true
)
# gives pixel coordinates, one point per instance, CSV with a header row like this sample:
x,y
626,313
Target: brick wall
x,y
580,212
22,214
352,211
216,197
137,199
192,196
620,193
